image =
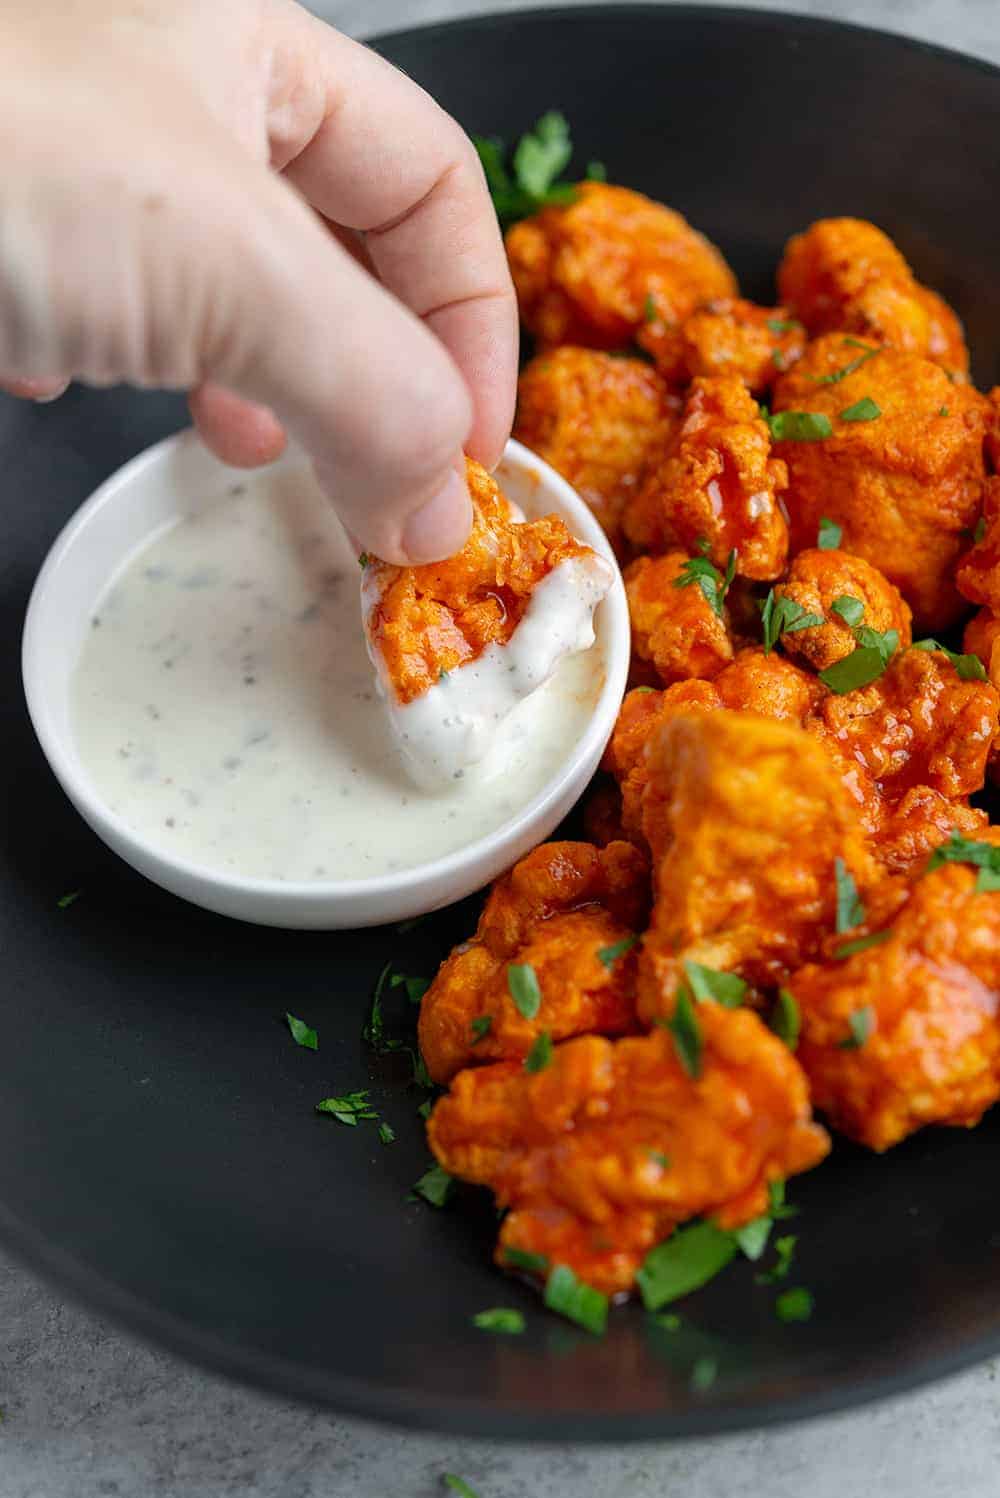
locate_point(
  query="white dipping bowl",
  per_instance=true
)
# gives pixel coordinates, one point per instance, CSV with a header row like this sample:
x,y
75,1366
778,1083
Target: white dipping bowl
x,y
177,477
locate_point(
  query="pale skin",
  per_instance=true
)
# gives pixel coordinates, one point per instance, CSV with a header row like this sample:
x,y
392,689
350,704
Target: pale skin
x,y
234,200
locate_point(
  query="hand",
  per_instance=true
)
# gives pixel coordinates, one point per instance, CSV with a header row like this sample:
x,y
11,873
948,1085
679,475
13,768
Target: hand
x,y
234,200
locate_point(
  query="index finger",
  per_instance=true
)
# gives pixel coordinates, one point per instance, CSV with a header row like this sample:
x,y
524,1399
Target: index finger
x,y
372,151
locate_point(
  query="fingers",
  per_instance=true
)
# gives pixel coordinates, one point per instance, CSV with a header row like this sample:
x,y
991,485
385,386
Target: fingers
x,y
372,151
238,431
40,390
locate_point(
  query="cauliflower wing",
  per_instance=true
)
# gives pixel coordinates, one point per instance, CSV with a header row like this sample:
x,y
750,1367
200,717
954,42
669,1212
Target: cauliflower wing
x,y
819,580
674,626
727,336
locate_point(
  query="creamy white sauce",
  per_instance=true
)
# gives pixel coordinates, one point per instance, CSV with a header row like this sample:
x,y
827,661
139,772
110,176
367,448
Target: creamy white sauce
x,y
224,706
453,724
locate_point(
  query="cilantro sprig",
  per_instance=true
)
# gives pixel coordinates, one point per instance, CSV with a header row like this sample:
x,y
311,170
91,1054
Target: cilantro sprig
x,y
969,667
530,182
850,910
575,1300
783,616
785,1020
302,1034
983,856
713,583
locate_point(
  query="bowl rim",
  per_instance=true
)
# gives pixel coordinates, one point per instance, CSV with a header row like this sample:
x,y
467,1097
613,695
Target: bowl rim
x,y
64,761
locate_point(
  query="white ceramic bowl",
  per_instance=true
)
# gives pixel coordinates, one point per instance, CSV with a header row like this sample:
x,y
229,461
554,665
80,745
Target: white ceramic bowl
x,y
173,478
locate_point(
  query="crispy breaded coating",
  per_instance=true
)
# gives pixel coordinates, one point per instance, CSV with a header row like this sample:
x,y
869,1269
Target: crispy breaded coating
x,y
642,712
905,486
590,272
920,821
578,1150
598,420
845,274
727,336
746,818
673,624
556,912
431,619
717,484
817,580
978,575
768,685
918,724
924,1004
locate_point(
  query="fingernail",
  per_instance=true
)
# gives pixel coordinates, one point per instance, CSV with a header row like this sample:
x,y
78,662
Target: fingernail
x,y
50,395
441,526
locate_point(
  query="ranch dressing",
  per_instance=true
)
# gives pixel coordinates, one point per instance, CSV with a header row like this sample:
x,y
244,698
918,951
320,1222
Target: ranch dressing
x,y
224,704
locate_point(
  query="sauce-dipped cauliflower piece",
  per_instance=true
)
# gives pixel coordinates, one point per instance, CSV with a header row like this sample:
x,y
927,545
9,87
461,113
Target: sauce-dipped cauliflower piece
x,y
565,917
592,271
846,274
717,486
728,336
978,575
599,420
844,591
675,626
901,471
600,1154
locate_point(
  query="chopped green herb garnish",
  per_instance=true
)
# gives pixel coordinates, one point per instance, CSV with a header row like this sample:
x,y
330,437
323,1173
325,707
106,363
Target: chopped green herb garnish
x,y
65,901
522,981
726,989
785,1020
885,642
785,1250
850,911
442,674
864,665
644,689
364,559
596,171
660,1159
799,426
778,359
983,856
301,1033
783,324
710,580
861,944
969,667
386,1133
979,530
794,1305
783,616
830,535
848,369
863,410
670,1321
415,987
541,155
752,1237
943,411
860,1025
434,1186
480,1027
425,1108
686,1031
575,1300
540,1055
349,1109
518,1258
779,1208
685,1261
458,1485
703,1374
851,610
500,1319
649,313
608,956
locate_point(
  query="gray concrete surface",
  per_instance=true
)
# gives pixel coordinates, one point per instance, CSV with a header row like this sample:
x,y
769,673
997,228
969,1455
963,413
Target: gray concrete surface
x,y
87,1412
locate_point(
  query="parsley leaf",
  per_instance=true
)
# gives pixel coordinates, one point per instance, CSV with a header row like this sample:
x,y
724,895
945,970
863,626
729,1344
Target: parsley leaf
x,y
969,667
983,856
779,1208
596,171
434,1186
685,1261
783,616
799,426
480,1027
863,410
386,1133
785,1020
575,1300
415,987
350,1108
458,1485
519,1258
684,1027
540,1055
848,369
726,989
540,156
794,1305
864,665
830,534
662,1160
301,1033
500,1319
608,956
752,1237
522,981
979,530
785,1250
783,324
886,643
425,1108
65,901
851,610
850,911
373,1031
649,313
860,1025
861,944
710,580
363,560
703,1374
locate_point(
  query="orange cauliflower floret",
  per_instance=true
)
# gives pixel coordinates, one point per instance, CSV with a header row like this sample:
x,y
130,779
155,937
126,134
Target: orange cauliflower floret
x,y
902,470
726,337
598,420
673,623
590,272
747,820
600,1154
978,575
845,274
905,1033
642,713
918,823
830,585
567,912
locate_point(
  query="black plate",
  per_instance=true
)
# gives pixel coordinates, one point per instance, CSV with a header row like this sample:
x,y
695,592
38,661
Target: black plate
x,y
160,1156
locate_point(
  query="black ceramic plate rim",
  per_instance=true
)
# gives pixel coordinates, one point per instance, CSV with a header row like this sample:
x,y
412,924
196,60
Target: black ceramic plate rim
x,y
472,1418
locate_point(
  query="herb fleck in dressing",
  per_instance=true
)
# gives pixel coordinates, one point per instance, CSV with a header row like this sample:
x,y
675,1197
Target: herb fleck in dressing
x,y
224,704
